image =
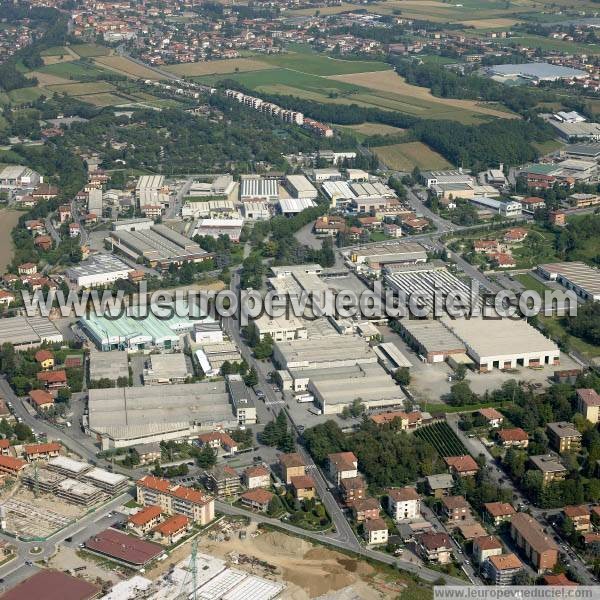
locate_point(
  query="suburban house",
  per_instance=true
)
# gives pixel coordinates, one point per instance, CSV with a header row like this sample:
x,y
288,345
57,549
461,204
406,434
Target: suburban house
x,y
257,498
435,547
498,512
514,437
375,531
144,520
291,465
456,508
403,503
464,466
256,477
303,487
342,465
486,546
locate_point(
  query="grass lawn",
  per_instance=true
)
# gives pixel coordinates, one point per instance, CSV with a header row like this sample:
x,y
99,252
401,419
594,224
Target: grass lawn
x,y
547,44
531,283
25,95
555,328
547,147
54,51
104,99
72,70
81,89
407,156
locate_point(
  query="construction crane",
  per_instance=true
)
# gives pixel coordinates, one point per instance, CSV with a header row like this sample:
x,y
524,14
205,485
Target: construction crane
x,y
191,577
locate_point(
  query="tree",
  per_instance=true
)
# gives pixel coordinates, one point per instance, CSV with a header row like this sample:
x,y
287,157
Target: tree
x,y
275,506
522,578
251,378
402,375
23,432
460,372
206,458
461,394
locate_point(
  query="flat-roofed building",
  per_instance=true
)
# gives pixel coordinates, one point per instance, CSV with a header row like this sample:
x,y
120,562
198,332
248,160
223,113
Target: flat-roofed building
x,y
122,417
431,339
577,276
112,365
300,187
28,332
335,389
167,368
215,228
332,352
99,270
550,466
280,328
111,483
588,404
503,343
539,548
376,256
18,176
242,400
172,499
254,187
563,436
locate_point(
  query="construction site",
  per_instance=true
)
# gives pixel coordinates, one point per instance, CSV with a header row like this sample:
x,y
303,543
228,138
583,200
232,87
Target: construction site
x,y
50,495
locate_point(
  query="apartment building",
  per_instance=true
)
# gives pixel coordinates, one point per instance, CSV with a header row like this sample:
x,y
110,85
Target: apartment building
x,y
563,436
499,512
501,569
456,508
580,516
342,465
144,520
550,466
256,477
539,548
291,465
588,404
353,488
403,503
222,480
375,531
435,547
486,546
172,499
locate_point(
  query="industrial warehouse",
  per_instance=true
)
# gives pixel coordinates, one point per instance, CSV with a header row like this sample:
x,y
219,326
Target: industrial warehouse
x,y
102,269
120,417
157,245
577,276
28,332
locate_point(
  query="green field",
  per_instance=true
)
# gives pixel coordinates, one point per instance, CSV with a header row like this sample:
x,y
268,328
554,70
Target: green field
x,y
544,43
531,283
557,331
25,95
82,89
442,438
72,70
54,51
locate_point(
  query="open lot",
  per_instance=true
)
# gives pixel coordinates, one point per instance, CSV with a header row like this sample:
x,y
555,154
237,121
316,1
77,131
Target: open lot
x,y
407,156
8,221
90,50
75,69
82,89
125,66
367,129
103,99
390,81
217,67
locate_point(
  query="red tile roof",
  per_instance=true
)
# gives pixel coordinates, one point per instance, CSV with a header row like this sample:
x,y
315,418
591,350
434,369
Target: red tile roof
x,y
11,463
490,413
123,547
48,584
576,511
145,515
499,509
52,376
42,355
302,482
4,443
257,471
42,448
403,494
560,579
488,542
462,464
155,483
172,525
189,494
514,434
258,495
293,459
434,541
506,562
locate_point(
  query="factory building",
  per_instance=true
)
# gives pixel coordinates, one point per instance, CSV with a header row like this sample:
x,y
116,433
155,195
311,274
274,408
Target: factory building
x,y
167,368
375,257
576,276
255,188
300,187
28,332
434,342
122,417
100,270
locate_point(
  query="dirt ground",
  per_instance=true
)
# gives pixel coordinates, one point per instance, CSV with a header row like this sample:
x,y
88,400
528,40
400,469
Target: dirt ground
x,y
389,81
8,220
374,129
212,67
309,571
67,558
126,66
46,79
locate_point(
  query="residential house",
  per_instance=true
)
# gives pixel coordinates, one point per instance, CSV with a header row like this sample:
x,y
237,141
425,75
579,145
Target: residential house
x,y
486,546
470,530
456,508
588,404
375,531
353,488
403,503
53,380
4,447
6,298
303,487
342,465
559,579
258,499
486,246
144,519
172,529
435,547
515,235
149,452
367,508
27,268
291,465
43,242
222,480
580,516
439,485
218,440
492,416
514,437
539,548
463,466
256,477
501,569
563,436
45,451
45,358
41,399
9,465
499,512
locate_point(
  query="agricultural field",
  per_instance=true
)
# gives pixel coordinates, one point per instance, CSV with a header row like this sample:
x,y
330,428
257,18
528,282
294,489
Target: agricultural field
x,y
54,51
82,89
90,50
390,81
442,438
125,66
216,67
407,156
549,44
24,95
74,70
367,129
103,99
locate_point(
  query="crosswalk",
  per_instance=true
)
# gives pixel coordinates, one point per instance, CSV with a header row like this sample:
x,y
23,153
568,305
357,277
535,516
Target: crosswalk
x,y
274,402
